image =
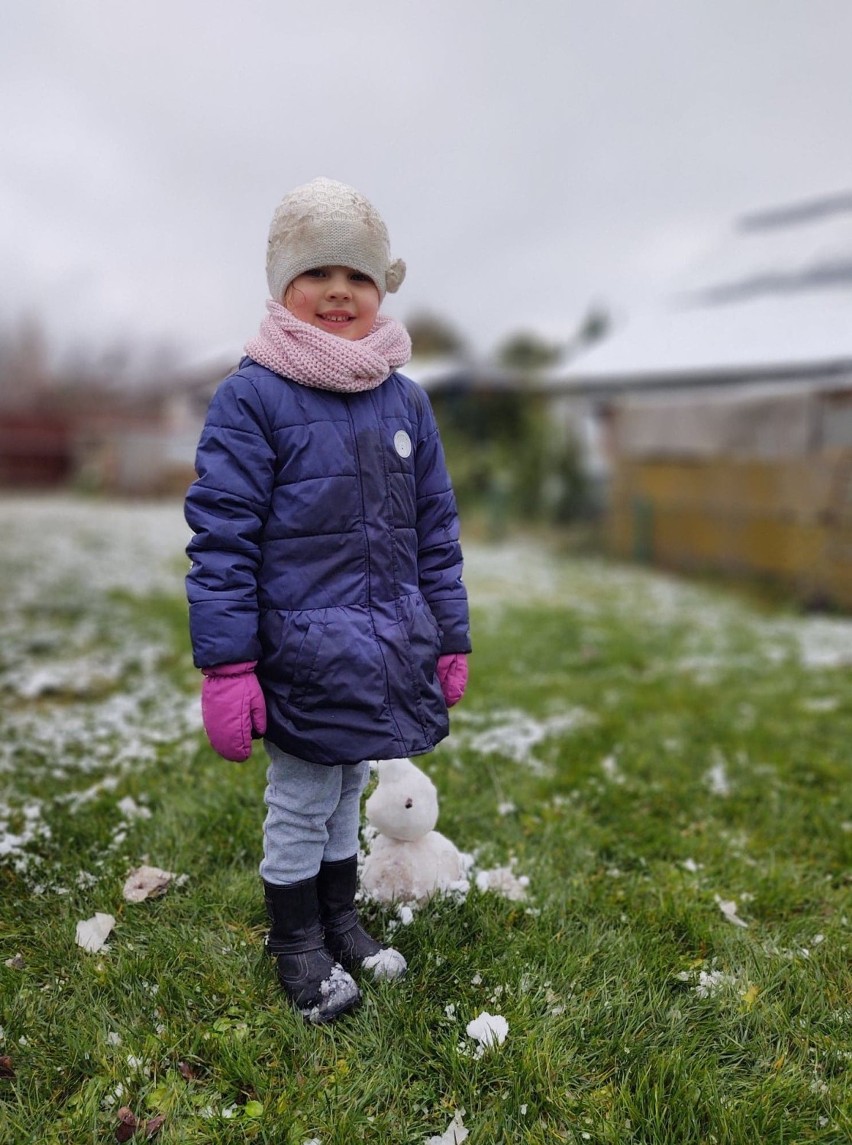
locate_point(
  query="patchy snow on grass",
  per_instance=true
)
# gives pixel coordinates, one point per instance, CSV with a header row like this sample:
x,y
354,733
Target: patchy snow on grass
x,y
130,809
820,704
503,881
611,770
29,826
59,541
717,779
454,1134
707,983
87,706
515,734
715,625
90,702
728,907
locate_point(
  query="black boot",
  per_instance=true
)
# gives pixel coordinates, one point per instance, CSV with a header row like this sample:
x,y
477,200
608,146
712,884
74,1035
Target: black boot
x,y
345,937
317,985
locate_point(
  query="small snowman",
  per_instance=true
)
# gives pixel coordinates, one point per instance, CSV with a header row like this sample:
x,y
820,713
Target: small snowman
x,y
408,861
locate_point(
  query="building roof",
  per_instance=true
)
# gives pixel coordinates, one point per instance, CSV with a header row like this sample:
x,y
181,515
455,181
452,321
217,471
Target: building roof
x,y
774,295
444,373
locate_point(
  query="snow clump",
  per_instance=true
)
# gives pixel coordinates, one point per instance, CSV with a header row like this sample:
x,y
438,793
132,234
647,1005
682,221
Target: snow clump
x,y
93,932
488,1029
455,1133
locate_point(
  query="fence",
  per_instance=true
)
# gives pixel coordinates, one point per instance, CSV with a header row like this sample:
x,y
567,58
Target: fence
x,y
784,516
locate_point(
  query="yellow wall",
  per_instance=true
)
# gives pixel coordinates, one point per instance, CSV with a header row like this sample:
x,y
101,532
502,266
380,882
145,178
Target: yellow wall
x,y
788,520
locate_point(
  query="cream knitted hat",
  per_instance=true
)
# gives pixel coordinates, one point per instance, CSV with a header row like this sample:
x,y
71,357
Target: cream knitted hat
x,y
325,223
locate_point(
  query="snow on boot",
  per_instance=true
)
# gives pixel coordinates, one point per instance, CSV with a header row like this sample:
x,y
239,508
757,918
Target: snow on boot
x,y
345,937
317,985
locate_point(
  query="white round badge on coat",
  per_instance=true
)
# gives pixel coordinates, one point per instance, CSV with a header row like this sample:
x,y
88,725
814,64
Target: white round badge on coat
x,y
402,443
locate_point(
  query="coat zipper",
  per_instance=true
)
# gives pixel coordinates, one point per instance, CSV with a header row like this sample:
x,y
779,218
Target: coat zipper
x,y
388,697
363,508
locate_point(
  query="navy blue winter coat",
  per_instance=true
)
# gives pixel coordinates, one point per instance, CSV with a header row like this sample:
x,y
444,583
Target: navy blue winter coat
x,y
326,547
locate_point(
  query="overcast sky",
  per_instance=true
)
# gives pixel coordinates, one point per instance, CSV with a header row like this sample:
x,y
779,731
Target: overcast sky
x,y
530,157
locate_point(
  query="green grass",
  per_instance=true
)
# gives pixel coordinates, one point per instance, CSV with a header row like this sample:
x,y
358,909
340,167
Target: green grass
x,y
640,749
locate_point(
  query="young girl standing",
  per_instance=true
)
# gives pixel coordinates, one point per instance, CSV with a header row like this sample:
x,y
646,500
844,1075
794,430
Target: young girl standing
x,y
327,609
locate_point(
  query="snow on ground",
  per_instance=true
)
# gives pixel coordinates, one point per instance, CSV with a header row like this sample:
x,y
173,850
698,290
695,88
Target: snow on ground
x,y
58,542
716,633
85,699
85,687
455,1134
488,1029
514,733
517,572
715,623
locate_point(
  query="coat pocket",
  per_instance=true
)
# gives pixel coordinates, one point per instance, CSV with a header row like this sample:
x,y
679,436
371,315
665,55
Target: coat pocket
x,y
291,644
341,670
424,638
305,667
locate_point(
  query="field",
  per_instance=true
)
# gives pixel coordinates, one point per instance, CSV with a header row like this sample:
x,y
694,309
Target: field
x,y
668,765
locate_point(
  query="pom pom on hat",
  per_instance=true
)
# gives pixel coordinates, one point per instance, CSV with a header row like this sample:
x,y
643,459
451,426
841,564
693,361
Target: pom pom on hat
x,y
326,223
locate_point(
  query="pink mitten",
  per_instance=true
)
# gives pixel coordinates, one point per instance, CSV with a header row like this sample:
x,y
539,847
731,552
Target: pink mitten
x,y
452,676
232,707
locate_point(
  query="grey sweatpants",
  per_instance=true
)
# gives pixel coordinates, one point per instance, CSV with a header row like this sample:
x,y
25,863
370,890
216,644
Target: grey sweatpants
x,y
312,814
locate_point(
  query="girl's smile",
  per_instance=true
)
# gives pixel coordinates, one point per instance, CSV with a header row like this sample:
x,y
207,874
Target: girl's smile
x,y
338,299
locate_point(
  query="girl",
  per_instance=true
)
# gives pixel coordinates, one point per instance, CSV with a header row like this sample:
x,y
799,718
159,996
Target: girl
x,y
327,610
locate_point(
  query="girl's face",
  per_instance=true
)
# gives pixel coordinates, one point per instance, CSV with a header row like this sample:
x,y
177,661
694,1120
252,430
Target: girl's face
x,y
338,299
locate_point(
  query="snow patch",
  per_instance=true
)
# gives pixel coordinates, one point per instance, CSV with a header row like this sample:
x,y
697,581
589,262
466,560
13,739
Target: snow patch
x,y
515,734
717,779
32,827
821,704
93,932
488,1029
503,881
611,770
386,965
454,1134
709,982
130,809
712,982
729,910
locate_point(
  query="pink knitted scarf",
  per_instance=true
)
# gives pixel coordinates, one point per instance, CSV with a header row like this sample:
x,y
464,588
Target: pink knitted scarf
x,y
313,357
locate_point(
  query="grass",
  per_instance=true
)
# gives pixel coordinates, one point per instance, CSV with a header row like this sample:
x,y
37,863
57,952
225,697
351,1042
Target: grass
x,y
643,750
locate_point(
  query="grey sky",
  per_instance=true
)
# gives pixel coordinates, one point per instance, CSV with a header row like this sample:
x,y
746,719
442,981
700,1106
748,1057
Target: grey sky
x,y
529,157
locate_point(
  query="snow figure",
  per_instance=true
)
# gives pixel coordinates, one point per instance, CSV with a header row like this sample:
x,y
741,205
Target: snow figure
x,y
409,861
